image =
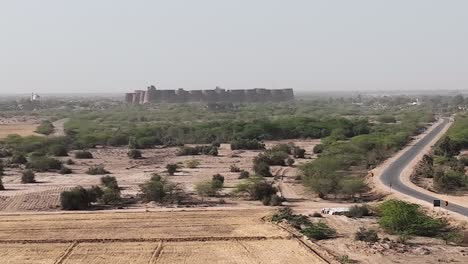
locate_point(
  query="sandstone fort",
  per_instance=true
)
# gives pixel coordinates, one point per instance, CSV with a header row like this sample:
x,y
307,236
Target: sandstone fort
x,y
153,95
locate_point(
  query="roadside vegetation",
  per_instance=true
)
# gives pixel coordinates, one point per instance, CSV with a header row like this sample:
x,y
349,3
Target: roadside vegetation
x,y
446,165
343,161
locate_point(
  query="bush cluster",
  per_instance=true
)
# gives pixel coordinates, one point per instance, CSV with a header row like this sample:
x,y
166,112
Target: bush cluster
x,y
79,198
97,170
43,164
401,217
160,190
211,187
46,128
134,154
249,144
317,231
28,176
197,150
83,155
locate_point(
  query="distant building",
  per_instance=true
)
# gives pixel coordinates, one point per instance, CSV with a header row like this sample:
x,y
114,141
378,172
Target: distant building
x,y
35,97
153,95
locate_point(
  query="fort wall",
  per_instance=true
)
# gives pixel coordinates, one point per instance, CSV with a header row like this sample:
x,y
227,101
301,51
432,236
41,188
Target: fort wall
x,y
153,95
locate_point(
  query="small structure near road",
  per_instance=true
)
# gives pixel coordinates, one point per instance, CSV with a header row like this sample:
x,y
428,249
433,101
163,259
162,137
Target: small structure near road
x,y
335,211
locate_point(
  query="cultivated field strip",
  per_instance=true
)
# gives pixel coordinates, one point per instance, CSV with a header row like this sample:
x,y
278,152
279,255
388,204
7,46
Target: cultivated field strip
x,y
237,236
249,252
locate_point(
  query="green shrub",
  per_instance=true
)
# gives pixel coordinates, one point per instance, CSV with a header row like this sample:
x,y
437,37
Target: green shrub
x,y
210,188
358,211
290,161
386,119
263,189
42,164
249,144
234,168
272,158
449,180
318,148
262,169
79,198
464,160
46,128
65,170
18,159
28,176
111,196
134,154
97,170
318,231
83,155
401,217
299,153
244,174
297,221
366,235
156,189
218,177
110,182
172,168
197,150
58,151
286,148
5,153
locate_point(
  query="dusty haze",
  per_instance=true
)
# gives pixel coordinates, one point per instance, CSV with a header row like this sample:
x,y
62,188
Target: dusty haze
x,y
53,46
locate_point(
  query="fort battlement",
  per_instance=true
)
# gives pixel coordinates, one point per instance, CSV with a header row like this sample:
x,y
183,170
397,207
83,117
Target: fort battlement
x,y
153,95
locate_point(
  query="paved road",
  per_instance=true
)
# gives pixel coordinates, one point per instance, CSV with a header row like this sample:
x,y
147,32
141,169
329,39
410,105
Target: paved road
x,y
393,173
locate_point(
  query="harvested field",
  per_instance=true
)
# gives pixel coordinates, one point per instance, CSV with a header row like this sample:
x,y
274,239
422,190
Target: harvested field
x,y
236,236
37,253
20,129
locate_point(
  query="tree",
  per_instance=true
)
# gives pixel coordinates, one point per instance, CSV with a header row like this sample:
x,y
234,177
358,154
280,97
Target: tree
x,y
299,153
351,187
28,176
447,148
405,218
171,168
262,169
159,190
79,198
290,161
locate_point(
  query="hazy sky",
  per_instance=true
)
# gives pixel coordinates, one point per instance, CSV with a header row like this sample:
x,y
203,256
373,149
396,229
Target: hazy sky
x,y
122,45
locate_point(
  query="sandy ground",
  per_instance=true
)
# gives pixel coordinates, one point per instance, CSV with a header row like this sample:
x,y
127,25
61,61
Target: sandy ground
x,y
44,195
21,125
59,129
240,236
